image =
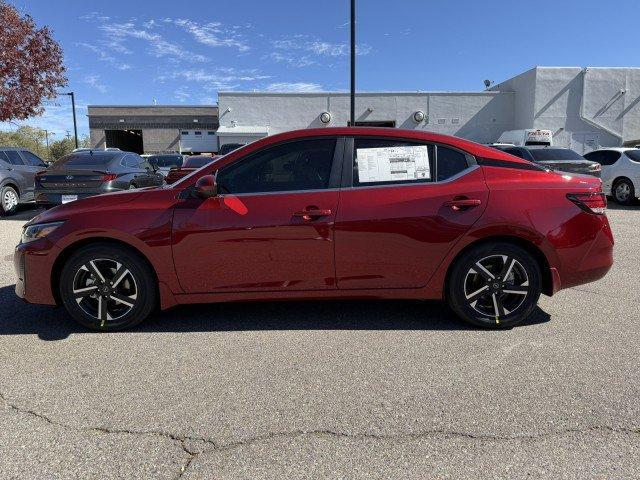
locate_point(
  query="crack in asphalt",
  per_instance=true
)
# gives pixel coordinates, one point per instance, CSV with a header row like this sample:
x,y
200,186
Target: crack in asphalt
x,y
294,434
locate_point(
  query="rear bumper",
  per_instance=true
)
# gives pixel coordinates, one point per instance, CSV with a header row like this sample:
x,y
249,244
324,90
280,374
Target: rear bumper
x,y
55,198
593,261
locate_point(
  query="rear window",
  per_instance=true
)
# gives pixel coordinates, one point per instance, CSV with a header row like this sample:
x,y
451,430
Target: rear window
x,y
197,162
543,154
86,159
633,155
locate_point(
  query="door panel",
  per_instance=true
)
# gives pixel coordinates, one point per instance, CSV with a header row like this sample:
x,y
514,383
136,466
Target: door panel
x,y
395,236
255,242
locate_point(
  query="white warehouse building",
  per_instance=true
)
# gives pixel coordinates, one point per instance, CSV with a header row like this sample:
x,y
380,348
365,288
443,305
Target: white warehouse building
x,y
585,108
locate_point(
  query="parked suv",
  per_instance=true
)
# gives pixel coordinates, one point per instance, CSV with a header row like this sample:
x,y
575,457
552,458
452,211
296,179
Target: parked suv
x,y
84,174
620,172
18,167
555,158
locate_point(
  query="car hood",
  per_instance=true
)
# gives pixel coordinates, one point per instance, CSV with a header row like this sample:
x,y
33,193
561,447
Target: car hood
x,y
61,212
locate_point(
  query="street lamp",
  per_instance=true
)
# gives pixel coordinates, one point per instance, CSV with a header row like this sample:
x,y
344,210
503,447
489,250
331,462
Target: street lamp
x,y
73,106
353,63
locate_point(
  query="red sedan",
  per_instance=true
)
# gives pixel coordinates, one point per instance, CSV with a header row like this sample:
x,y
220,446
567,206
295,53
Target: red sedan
x,y
191,164
326,213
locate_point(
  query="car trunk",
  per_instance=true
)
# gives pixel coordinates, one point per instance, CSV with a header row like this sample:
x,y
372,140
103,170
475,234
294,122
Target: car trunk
x,y
573,166
71,180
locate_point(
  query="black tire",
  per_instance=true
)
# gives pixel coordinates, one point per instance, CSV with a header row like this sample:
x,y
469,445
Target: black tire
x,y
9,200
137,289
623,191
471,295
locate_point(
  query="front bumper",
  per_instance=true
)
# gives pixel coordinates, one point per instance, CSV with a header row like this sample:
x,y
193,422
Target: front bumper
x,y
33,264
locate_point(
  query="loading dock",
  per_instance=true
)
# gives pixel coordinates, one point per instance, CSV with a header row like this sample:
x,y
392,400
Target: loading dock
x,y
126,140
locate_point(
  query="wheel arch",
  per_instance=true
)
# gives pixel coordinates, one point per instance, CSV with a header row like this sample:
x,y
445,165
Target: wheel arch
x,y
10,182
70,249
530,247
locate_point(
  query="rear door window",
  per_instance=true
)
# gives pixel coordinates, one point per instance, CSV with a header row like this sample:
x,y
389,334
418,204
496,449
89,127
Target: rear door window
x,y
391,162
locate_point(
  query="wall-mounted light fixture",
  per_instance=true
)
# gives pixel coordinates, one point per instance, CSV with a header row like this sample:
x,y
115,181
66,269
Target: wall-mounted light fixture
x,y
325,117
418,116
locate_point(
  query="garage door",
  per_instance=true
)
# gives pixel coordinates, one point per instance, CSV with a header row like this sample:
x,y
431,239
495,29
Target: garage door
x,y
198,141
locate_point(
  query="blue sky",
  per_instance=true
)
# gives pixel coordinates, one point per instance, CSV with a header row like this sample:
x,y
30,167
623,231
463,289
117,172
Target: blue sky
x,y
132,52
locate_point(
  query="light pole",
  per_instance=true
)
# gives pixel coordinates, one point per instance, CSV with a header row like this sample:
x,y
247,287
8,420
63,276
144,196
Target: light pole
x,y
75,126
353,63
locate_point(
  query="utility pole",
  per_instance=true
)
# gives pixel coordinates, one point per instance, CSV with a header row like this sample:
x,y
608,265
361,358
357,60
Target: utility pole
x,y
75,125
353,63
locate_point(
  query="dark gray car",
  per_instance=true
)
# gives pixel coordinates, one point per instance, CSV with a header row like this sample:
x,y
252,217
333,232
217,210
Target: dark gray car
x,y
555,158
84,174
18,167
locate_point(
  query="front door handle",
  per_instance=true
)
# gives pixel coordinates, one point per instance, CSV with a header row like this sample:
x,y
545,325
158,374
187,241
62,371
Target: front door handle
x,y
311,213
458,204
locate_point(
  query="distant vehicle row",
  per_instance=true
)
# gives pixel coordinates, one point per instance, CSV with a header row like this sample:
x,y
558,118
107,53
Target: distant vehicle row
x,y
24,177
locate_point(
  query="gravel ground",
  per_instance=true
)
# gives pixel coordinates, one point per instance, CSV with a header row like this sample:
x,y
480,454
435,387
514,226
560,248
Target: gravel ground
x,y
327,390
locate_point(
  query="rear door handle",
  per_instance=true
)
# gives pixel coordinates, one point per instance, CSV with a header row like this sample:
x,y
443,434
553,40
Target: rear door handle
x,y
312,213
462,203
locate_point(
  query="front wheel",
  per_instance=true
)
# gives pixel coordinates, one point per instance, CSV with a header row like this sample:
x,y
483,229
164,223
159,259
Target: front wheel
x,y
494,285
107,288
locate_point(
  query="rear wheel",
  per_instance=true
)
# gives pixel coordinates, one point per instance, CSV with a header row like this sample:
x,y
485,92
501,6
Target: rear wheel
x,y
9,200
107,288
494,285
623,191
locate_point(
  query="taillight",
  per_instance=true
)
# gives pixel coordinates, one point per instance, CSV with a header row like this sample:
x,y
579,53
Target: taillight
x,y
107,177
591,202
595,167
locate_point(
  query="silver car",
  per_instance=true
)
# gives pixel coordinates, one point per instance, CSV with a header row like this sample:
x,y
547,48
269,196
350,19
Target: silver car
x,y
18,167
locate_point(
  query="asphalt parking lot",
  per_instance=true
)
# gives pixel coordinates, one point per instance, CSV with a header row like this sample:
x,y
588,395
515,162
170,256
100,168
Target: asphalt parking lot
x,y
327,390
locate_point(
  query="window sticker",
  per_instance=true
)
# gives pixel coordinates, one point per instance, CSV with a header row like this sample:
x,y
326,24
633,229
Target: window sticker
x,y
390,164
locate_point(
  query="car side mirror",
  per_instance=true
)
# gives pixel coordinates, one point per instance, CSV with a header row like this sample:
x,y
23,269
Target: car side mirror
x,y
206,187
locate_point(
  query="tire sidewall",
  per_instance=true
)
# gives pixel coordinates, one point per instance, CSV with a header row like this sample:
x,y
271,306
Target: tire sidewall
x,y
3,190
455,287
632,192
145,282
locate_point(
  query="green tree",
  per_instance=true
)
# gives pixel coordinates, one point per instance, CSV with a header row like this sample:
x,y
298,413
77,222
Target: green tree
x,y
26,137
60,148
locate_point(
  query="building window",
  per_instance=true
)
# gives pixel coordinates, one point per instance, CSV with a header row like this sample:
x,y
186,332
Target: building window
x,y
211,133
197,133
441,121
184,133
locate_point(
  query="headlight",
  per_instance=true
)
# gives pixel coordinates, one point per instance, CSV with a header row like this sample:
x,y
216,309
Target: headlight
x,y
38,230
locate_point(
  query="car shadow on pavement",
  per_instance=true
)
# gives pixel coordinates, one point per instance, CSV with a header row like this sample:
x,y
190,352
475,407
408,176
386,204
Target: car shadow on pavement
x,y
20,318
24,212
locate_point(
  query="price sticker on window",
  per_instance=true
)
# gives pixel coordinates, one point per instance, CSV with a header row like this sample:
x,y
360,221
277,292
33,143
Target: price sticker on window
x,y
390,164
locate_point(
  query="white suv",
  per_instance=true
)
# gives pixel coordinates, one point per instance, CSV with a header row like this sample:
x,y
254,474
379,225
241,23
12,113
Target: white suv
x,y
620,172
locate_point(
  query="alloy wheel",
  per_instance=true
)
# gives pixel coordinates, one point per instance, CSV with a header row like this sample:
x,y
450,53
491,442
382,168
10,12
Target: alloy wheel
x,y
9,200
105,290
622,192
496,286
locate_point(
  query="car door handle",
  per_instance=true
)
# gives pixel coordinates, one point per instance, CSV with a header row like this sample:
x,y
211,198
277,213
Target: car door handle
x,y
458,204
312,213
